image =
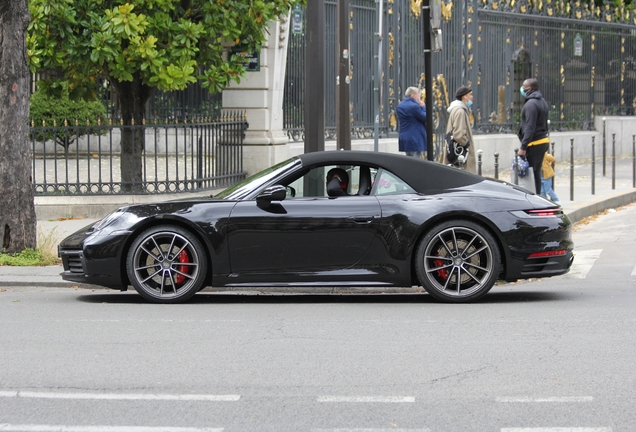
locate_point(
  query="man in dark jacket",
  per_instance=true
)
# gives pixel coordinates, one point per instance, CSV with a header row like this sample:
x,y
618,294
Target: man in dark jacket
x,y
534,128
412,120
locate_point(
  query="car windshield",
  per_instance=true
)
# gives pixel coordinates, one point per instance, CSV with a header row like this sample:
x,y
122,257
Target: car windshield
x,y
244,188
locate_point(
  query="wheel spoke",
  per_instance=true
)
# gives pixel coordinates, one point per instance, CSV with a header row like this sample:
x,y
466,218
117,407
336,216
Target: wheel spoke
x,y
171,244
459,280
472,276
440,267
172,281
477,251
448,279
159,258
455,242
156,258
468,245
450,252
182,274
151,276
146,267
476,266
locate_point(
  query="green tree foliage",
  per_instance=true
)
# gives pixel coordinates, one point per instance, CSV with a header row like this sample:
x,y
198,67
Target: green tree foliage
x,y
162,43
140,45
48,111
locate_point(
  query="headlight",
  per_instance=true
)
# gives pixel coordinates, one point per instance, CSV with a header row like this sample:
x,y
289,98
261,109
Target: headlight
x,y
101,224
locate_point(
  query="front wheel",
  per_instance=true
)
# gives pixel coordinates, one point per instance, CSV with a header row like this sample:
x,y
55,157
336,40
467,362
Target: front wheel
x,y
458,261
166,264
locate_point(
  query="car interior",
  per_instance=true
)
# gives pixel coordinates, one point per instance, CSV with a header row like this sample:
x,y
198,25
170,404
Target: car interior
x,y
363,180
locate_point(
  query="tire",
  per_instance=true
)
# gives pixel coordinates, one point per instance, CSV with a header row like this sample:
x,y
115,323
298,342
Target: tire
x,y
458,261
166,264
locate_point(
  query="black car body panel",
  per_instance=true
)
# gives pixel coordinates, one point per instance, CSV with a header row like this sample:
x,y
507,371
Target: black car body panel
x,y
312,239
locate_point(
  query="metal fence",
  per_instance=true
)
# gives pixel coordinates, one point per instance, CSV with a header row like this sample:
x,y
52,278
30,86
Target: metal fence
x,y
84,159
585,61
193,102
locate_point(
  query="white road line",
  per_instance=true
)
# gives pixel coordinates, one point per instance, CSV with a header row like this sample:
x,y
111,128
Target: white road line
x,y
546,399
65,428
122,396
557,429
369,430
634,271
583,262
367,399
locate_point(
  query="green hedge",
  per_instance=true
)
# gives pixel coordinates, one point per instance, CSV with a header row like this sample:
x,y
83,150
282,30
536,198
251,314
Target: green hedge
x,y
55,110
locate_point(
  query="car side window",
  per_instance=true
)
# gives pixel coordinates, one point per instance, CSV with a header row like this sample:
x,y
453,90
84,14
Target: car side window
x,y
313,183
387,183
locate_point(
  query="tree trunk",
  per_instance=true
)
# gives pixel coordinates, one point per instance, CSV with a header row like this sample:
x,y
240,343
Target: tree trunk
x,y
133,96
18,223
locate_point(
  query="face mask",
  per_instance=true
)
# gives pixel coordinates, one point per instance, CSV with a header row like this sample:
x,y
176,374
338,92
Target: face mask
x,y
522,91
469,103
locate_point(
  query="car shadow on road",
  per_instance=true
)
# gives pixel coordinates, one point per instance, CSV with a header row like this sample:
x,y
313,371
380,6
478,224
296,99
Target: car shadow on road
x,y
131,297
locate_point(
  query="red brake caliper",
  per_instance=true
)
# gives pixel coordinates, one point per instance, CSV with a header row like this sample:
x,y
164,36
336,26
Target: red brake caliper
x,y
183,258
443,273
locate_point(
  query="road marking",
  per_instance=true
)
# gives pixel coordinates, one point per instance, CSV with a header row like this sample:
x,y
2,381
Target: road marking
x,y
583,262
122,396
557,429
369,430
367,399
634,271
546,399
65,428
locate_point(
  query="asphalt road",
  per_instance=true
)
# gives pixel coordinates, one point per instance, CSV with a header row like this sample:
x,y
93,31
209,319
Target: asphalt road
x,y
551,355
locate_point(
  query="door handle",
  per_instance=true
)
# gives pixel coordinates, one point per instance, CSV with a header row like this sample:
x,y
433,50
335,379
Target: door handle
x,y
361,219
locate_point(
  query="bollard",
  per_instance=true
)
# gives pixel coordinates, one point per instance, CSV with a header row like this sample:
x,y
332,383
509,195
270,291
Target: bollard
x,y
613,161
497,166
515,168
553,166
593,168
571,169
479,152
604,151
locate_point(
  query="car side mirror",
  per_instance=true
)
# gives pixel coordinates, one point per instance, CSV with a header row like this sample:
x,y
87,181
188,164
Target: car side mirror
x,y
272,193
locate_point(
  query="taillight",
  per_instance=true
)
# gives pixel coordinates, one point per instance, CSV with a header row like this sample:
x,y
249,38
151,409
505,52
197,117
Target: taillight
x,y
547,253
545,212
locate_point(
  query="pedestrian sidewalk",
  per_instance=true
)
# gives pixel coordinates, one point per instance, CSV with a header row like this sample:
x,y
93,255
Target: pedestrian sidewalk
x,y
574,191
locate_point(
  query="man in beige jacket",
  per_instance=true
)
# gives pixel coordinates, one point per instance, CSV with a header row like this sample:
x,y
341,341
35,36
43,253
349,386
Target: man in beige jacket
x,y
459,126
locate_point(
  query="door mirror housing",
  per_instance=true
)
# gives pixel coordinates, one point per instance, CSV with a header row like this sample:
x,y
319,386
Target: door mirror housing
x,y
272,193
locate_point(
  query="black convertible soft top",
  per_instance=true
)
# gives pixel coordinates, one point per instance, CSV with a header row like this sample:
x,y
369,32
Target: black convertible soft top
x,y
421,175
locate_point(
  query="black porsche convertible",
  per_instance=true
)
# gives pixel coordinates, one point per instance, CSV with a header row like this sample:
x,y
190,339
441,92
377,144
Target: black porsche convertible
x,y
330,219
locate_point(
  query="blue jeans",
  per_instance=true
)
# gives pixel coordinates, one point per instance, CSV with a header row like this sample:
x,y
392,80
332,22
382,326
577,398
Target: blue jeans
x,y
546,189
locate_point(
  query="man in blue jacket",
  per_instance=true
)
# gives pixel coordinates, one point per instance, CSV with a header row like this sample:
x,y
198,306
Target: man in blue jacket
x,y
411,114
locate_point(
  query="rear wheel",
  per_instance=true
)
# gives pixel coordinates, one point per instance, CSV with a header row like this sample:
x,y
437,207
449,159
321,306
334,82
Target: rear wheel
x,y
458,261
166,264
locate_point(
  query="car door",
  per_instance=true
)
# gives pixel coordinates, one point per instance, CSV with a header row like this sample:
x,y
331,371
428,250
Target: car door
x,y
302,238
